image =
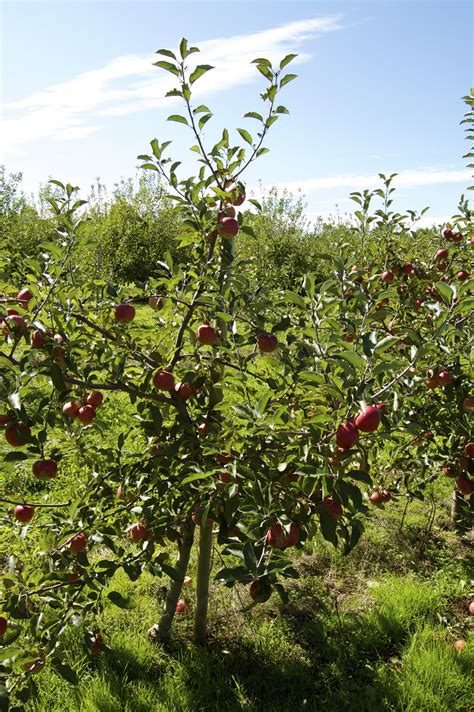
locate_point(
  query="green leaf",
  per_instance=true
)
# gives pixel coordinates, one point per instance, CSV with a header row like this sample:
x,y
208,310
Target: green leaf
x,y
287,78
445,291
286,60
281,110
267,73
353,358
253,115
120,601
262,60
167,66
385,344
178,118
174,92
183,48
65,672
15,456
166,53
246,136
199,71
203,120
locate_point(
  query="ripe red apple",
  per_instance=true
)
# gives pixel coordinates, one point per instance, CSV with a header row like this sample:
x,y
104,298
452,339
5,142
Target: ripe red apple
x,y
72,576
17,434
45,469
24,512
224,477
387,276
347,435
368,420
445,377
266,342
238,194
471,608
37,340
333,507
450,471
3,626
96,644
463,463
419,303
260,591
227,212
206,334
124,313
78,543
459,645
408,268
448,234
15,324
139,532
184,391
432,383
223,458
163,380
442,254
376,497
5,420
95,399
465,485
469,450
462,275
457,237
181,606
386,496
86,414
71,409
228,227
24,296
278,539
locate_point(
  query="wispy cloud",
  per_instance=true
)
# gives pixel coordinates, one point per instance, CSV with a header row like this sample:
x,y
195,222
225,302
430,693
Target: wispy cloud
x,y
404,179
130,84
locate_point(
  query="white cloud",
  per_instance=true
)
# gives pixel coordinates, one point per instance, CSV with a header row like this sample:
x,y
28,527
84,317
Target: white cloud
x,y
130,84
404,179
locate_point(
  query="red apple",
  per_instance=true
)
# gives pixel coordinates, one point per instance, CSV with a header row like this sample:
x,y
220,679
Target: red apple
x,y
459,645
238,194
45,469
96,645
3,626
163,380
71,409
465,485
206,334
196,516
224,477
333,507
266,342
445,377
457,237
462,275
78,543
184,391
386,496
181,606
376,497
468,404
86,414
260,591
24,296
95,399
278,539
72,576
450,471
17,434
13,323
368,420
347,435
37,340
471,608
408,268
469,450
24,512
463,463
227,212
5,420
387,276
139,532
448,234
442,254
228,227
124,313
419,303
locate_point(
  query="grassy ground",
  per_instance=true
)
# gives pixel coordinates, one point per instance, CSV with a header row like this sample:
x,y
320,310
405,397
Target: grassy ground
x,y
373,631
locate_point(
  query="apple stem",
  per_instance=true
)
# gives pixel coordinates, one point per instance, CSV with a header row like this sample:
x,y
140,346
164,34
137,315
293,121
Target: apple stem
x,y
174,591
202,584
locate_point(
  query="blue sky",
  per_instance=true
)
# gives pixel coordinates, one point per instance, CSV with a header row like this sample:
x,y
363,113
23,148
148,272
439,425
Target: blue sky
x,y
379,90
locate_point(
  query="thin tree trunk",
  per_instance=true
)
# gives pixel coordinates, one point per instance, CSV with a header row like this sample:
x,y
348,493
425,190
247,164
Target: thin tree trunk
x,y
202,584
162,631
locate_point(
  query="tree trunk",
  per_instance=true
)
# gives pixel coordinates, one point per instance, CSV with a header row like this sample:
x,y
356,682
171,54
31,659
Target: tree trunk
x,y
162,631
202,584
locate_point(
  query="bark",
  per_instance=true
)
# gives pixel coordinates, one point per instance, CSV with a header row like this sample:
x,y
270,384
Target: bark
x,y
202,584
